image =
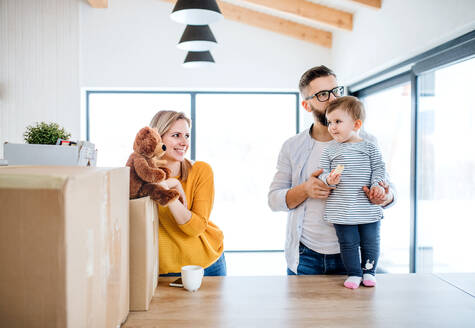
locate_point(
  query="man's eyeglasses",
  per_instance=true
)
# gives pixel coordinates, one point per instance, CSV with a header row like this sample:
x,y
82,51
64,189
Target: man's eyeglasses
x,y
324,95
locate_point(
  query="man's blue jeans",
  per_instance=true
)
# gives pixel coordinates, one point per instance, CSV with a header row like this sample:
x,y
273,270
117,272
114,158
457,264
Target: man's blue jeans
x,y
351,237
311,262
218,268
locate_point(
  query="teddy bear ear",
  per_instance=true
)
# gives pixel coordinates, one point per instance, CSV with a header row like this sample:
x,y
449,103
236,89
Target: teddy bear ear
x,y
146,141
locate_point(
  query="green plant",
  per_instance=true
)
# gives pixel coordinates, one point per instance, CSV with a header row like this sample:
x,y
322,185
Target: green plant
x,y
44,133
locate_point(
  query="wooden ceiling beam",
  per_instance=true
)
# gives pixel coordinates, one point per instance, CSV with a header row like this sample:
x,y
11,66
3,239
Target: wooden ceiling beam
x,y
370,3
309,10
274,24
98,3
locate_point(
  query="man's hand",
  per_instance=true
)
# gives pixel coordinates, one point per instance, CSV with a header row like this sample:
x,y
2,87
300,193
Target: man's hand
x,y
315,188
379,198
377,192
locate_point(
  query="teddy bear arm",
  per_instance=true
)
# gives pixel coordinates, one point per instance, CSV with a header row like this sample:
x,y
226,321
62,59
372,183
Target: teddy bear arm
x,y
148,173
167,172
159,194
135,185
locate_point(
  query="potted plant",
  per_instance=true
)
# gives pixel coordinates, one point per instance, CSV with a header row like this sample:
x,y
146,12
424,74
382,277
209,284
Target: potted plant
x,y
41,148
45,134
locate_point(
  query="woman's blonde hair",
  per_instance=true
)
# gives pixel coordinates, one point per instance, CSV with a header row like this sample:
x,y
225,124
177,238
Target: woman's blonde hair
x,y
162,121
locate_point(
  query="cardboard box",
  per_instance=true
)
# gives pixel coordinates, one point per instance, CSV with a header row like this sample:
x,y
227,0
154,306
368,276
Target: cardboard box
x,y
143,252
63,246
83,154
118,213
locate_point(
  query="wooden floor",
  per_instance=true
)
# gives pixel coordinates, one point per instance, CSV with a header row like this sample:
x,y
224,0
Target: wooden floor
x,y
399,300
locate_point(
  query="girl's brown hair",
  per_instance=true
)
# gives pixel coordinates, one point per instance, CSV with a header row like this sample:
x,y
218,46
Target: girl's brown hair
x,y
162,121
349,104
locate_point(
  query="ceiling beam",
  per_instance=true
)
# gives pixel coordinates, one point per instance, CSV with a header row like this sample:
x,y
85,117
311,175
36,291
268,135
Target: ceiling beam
x,y
98,3
309,10
371,3
274,24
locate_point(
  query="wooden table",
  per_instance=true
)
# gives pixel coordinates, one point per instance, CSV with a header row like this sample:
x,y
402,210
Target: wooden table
x,y
399,300
463,281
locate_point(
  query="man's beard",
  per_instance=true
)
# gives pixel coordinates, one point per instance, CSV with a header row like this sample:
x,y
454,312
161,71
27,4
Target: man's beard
x,y
321,117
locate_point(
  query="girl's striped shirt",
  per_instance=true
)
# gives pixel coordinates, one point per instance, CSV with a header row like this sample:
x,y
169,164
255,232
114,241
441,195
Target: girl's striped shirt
x,y
364,166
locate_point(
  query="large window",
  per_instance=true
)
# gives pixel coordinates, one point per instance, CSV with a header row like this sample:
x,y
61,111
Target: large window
x,y
116,117
388,117
446,169
423,113
239,134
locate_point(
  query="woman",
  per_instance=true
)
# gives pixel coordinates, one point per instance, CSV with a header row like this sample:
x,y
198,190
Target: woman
x,y
186,236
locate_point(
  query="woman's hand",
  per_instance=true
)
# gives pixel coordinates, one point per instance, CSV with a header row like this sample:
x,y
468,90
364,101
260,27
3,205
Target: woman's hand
x,y
173,183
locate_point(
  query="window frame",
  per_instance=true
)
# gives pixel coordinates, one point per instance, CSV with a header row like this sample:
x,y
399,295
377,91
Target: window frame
x,y
449,53
193,94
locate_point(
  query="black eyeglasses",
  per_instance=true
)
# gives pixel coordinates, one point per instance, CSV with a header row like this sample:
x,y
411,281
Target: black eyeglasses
x,y
324,95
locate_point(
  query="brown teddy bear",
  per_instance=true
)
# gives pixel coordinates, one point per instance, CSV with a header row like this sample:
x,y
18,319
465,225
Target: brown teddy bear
x,y
145,173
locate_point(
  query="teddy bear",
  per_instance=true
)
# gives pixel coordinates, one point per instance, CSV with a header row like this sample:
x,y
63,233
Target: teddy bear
x,y
145,173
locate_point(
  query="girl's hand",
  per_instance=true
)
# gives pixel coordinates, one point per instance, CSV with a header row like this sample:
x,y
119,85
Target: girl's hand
x,y
386,199
333,178
316,188
377,192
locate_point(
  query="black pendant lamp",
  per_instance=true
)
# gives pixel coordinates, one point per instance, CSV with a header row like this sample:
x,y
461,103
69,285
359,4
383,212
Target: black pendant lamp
x,y
197,38
198,59
196,12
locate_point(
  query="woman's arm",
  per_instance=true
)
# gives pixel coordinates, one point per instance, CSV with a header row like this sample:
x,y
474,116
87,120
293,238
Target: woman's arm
x,y
179,209
181,214
194,221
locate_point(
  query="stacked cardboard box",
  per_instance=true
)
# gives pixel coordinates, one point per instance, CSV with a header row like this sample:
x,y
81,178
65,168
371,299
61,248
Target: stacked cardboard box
x,y
64,237
143,252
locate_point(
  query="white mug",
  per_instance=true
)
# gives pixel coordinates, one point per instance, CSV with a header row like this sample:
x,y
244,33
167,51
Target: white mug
x,y
192,275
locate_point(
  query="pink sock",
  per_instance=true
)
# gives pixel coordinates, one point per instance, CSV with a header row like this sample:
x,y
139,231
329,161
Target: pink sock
x,y
352,282
369,280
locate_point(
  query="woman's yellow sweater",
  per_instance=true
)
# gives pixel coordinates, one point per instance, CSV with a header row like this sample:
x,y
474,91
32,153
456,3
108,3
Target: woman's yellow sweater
x,y
198,241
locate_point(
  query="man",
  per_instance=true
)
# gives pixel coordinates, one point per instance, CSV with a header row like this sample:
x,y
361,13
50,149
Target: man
x,y
311,245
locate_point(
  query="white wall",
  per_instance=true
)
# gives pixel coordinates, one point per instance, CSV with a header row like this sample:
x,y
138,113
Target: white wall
x,y
399,30
133,44
51,48
39,66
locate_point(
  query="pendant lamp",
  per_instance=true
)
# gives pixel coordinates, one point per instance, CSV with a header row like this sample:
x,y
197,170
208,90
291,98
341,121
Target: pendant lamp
x,y
198,59
196,12
197,38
